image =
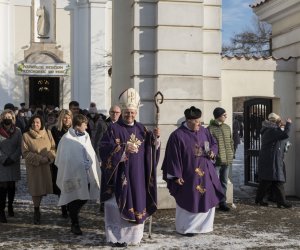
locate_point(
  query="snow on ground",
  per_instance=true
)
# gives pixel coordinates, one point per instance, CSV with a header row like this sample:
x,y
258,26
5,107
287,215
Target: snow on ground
x,y
246,227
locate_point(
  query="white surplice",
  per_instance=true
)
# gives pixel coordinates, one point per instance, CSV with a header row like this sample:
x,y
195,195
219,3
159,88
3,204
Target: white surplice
x,y
187,222
117,229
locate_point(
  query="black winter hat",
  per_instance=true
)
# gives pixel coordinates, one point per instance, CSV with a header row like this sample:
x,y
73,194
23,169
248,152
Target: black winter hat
x,y
192,113
9,106
218,112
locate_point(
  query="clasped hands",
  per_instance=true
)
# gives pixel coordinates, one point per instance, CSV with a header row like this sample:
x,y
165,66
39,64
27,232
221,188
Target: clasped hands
x,y
44,160
131,148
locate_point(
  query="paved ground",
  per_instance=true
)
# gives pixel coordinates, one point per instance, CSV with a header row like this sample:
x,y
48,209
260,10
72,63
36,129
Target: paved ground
x,y
246,227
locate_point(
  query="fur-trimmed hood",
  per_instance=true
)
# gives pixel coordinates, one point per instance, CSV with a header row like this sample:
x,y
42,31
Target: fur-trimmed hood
x,y
268,125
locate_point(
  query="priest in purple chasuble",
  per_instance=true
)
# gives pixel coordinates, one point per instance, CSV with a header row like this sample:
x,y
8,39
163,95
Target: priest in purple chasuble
x,y
128,187
190,174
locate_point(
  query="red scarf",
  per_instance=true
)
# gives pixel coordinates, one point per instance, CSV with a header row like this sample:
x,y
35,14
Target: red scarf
x,y
7,133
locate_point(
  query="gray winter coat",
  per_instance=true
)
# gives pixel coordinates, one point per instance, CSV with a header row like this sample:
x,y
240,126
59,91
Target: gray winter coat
x,y
10,147
270,162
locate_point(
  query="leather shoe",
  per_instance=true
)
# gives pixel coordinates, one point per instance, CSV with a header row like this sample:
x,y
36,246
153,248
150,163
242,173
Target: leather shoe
x,y
224,208
262,203
188,234
284,205
118,244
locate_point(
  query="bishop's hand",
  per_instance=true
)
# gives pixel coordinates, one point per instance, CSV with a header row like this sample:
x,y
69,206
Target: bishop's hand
x,y
156,132
179,181
131,148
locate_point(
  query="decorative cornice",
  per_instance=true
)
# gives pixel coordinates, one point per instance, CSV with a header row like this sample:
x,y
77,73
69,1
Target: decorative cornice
x,y
258,3
256,58
274,10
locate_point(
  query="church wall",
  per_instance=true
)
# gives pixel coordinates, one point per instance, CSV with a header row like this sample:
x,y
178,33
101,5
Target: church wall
x,y
264,78
122,40
21,26
63,40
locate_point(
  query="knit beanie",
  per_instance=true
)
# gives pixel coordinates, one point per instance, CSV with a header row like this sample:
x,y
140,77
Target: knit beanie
x,y
218,112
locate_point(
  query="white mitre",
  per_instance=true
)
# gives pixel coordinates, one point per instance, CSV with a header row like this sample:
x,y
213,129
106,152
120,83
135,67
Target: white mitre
x,y
130,99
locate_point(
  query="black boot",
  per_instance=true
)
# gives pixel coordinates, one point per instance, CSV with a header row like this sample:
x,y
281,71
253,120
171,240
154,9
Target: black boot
x,y
64,211
2,217
37,216
11,196
75,229
2,205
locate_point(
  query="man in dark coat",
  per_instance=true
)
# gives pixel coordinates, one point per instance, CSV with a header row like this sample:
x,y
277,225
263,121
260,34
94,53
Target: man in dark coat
x,y
271,169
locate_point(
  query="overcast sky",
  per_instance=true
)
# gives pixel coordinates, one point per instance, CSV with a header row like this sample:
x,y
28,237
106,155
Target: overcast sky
x,y
237,15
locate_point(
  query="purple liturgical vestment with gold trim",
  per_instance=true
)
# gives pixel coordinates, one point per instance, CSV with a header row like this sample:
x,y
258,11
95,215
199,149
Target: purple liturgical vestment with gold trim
x,y
131,177
186,158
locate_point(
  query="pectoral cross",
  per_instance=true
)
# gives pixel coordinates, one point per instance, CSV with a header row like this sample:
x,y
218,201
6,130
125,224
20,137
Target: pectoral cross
x,y
198,150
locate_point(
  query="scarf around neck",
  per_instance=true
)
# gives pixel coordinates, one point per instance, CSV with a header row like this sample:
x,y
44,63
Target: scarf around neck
x,y
6,133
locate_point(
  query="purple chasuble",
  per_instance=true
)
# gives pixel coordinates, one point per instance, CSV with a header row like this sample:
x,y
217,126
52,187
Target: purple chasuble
x,y
185,158
133,181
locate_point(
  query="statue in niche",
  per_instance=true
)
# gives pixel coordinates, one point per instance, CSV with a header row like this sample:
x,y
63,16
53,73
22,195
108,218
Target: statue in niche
x,y
43,24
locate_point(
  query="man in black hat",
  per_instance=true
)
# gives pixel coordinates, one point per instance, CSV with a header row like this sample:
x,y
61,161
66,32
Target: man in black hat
x,y
190,175
222,132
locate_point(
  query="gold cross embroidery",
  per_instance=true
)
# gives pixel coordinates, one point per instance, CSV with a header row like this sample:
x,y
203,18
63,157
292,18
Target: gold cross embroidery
x,y
200,189
199,172
134,140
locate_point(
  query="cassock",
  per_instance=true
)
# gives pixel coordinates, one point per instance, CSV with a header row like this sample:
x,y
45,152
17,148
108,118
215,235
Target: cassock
x,y
186,157
128,185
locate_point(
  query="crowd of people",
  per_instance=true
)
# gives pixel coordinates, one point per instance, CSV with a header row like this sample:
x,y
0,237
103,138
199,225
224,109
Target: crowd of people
x,y
81,155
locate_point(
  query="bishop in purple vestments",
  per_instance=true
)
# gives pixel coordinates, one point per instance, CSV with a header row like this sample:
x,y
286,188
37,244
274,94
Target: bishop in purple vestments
x,y
189,170
130,154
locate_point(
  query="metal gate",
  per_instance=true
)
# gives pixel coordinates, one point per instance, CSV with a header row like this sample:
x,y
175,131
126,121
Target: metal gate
x,y
255,112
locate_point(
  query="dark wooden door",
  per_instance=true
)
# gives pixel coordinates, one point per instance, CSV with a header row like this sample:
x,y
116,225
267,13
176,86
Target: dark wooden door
x,y
44,90
255,112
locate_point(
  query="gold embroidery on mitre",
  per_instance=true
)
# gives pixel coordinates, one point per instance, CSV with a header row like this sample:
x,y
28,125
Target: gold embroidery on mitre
x,y
134,140
200,189
199,172
198,150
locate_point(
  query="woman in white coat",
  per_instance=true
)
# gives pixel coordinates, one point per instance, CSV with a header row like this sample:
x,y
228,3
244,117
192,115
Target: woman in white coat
x,y
78,170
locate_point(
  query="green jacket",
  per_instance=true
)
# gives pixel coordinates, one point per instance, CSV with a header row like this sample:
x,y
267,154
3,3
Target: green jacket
x,y
223,135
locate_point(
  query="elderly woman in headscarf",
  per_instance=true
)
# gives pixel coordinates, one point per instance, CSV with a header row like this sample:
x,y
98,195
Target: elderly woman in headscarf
x,y
38,150
10,153
271,167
